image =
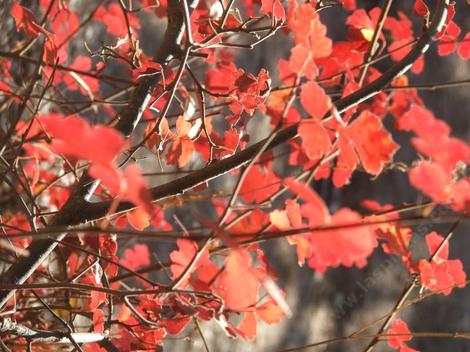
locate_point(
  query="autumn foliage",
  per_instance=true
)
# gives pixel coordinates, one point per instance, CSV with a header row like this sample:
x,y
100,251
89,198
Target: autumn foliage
x,y
82,121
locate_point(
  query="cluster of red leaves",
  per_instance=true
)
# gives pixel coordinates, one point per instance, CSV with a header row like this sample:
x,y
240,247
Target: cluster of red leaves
x,y
438,274
351,142
438,177
114,18
310,39
242,92
450,41
75,139
396,238
323,248
232,287
26,20
245,92
237,283
73,80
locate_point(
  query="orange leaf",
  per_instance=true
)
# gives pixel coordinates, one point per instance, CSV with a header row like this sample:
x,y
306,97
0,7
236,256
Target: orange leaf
x,y
138,218
270,312
247,328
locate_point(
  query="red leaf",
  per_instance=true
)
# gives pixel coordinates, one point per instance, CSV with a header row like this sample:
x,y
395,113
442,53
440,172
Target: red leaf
x,y
347,160
96,297
238,284
373,144
431,179
135,189
82,63
5,88
136,257
286,73
314,99
108,174
98,320
434,241
401,28
301,61
464,48
25,19
319,43
250,92
434,138
448,42
420,8
259,184
400,329
364,23
348,247
113,19
74,137
273,7
315,209
222,80
331,248
397,238
460,195
286,219
175,326
181,258
349,4
310,31
441,277
441,274
64,22
315,139
422,122
279,219
359,19
50,51
181,151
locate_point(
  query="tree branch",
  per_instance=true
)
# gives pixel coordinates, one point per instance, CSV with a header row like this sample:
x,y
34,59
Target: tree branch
x,y
8,326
